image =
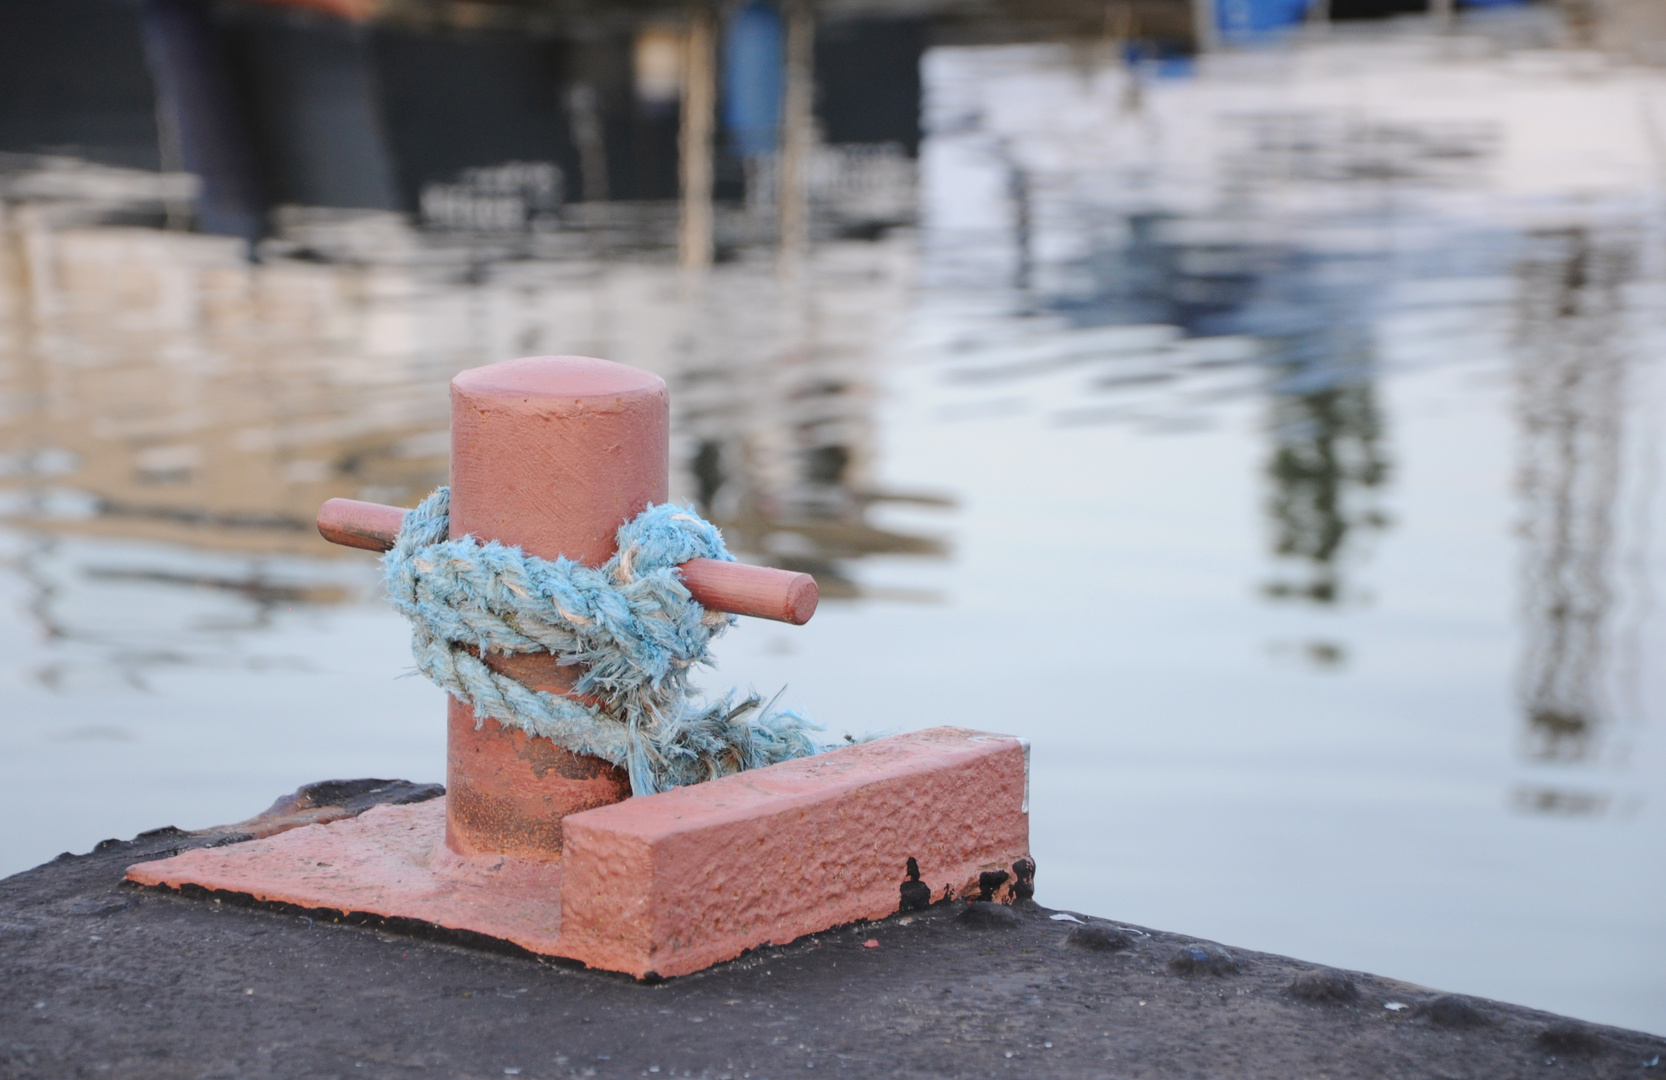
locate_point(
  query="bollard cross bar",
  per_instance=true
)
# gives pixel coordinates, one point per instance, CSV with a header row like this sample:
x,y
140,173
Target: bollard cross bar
x,y
762,592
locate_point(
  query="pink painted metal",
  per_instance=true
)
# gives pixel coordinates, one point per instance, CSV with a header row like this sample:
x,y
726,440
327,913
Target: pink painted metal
x,y
356,524
675,882
762,592
697,875
391,861
550,454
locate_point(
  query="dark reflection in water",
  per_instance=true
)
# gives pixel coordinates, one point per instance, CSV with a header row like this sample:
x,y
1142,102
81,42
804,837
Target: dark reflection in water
x,y
1310,309
1328,459
1570,380
1309,295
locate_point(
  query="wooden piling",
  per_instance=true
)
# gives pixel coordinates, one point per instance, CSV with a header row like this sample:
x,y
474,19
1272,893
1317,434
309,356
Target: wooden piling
x,y
694,141
797,130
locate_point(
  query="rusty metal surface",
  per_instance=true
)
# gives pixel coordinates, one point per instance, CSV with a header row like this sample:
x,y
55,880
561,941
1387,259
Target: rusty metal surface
x,y
509,791
326,800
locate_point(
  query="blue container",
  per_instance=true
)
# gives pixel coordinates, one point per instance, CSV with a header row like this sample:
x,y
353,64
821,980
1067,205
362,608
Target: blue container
x,y
753,79
1238,19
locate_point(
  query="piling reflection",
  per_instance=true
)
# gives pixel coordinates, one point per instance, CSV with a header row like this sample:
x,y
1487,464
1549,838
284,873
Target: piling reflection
x,y
1570,379
1327,464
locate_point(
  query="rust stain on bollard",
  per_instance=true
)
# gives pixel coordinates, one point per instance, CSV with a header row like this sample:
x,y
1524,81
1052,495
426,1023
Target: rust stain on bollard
x,y
511,790
550,454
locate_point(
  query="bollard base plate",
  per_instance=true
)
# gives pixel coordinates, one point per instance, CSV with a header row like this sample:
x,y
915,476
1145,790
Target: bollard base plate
x,y
672,883
390,861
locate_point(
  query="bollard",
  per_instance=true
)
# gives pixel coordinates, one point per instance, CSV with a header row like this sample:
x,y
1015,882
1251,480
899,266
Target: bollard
x,y
539,846
552,455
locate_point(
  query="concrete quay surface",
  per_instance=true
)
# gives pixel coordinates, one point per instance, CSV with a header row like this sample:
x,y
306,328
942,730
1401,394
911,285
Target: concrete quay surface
x,y
98,978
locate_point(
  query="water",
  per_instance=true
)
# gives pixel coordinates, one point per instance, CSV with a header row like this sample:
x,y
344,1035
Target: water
x,y
1275,444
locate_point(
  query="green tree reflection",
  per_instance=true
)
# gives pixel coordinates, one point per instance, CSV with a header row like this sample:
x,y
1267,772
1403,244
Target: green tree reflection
x,y
1327,465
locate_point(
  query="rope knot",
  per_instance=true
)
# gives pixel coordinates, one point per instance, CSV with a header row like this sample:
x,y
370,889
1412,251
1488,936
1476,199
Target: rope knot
x,y
629,623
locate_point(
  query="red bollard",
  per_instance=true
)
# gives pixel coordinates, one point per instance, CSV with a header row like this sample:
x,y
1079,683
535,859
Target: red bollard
x,y
550,454
538,846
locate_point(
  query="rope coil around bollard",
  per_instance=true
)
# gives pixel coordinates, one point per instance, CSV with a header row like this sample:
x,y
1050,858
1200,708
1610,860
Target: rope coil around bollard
x,y
630,624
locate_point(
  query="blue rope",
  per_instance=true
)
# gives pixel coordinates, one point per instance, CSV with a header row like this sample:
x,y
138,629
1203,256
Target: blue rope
x,y
629,623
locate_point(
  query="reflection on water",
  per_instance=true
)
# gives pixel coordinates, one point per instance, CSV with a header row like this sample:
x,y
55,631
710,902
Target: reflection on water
x,y
114,615
1077,381
163,386
1328,458
1571,383
1571,380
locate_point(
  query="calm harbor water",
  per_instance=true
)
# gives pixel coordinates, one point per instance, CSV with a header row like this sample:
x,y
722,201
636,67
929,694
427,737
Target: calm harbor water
x,y
1274,442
